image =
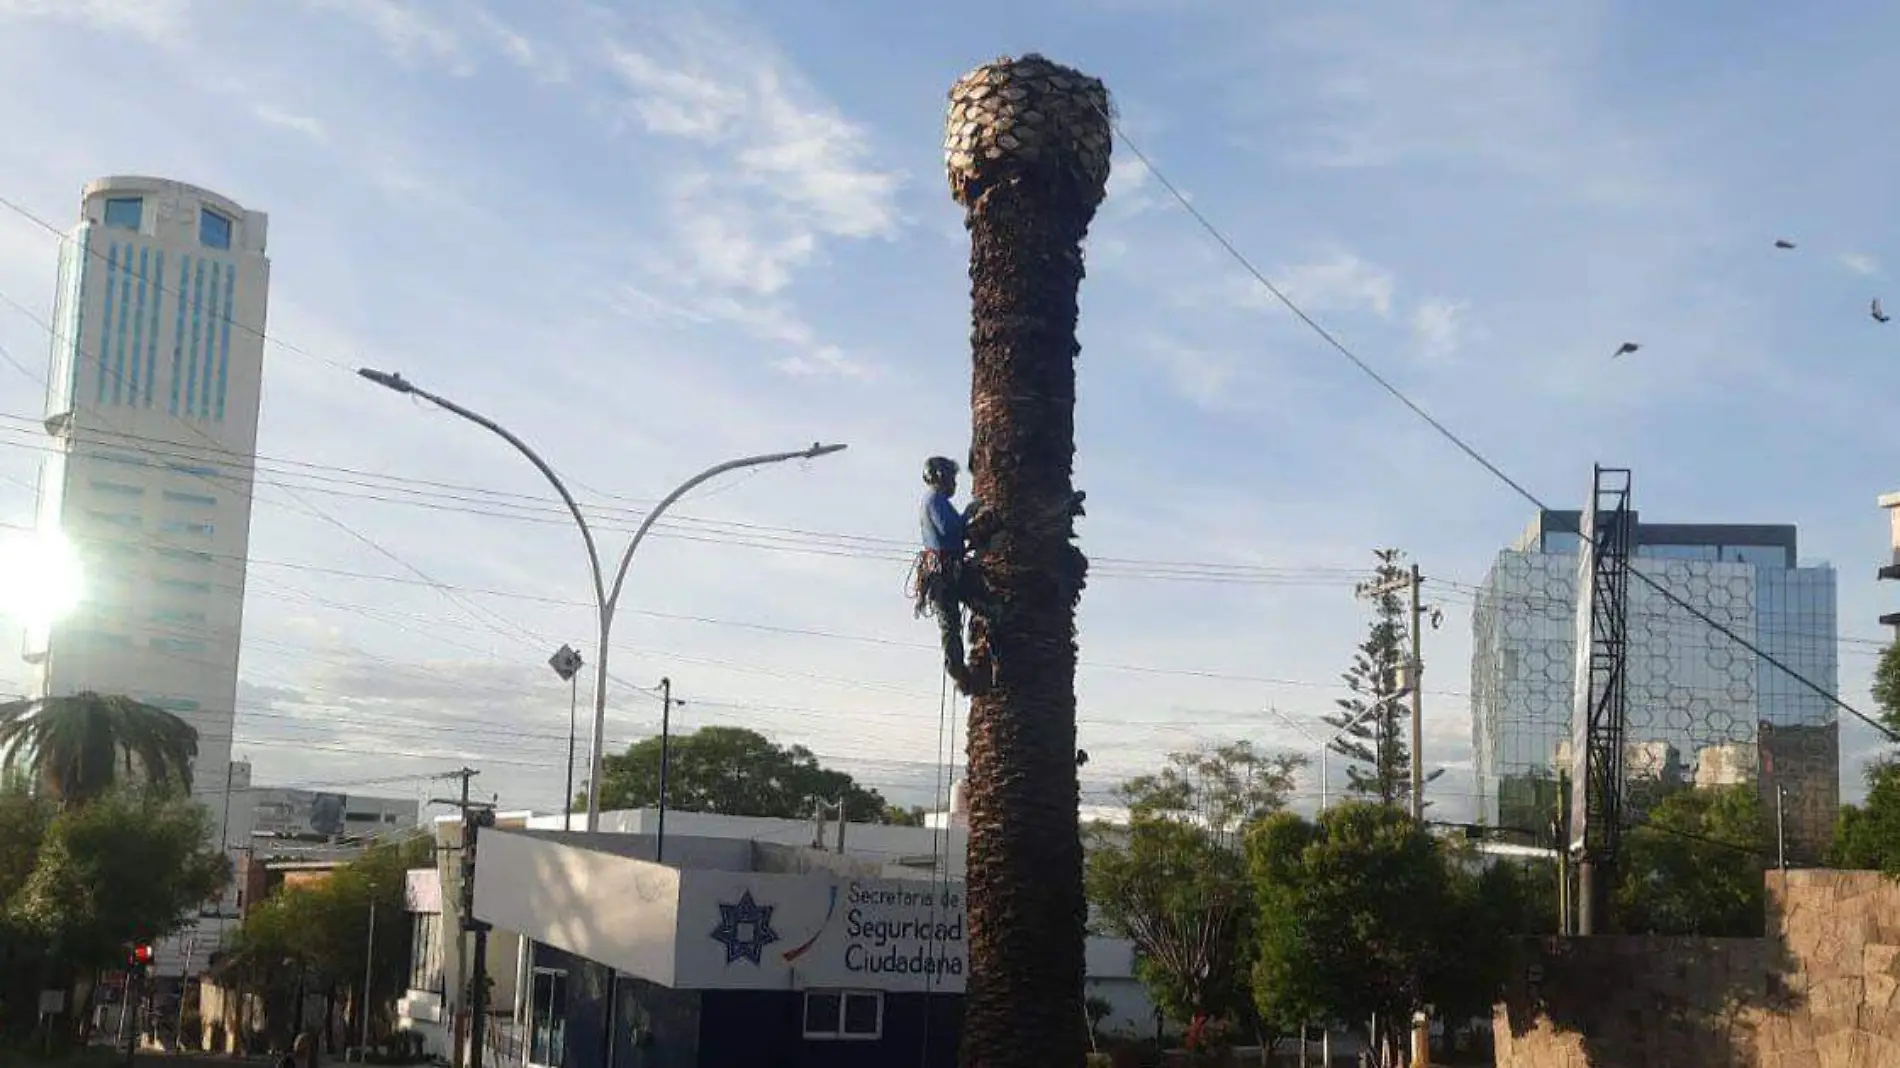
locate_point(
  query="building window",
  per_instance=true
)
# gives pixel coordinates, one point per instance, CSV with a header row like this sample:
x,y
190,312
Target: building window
x,y
856,1015
117,489
214,230
425,959
117,519
178,645
192,555
126,213
173,615
547,1019
177,526
199,470
185,586
199,499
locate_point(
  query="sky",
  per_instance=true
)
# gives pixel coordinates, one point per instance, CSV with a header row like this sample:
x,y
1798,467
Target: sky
x,y
651,237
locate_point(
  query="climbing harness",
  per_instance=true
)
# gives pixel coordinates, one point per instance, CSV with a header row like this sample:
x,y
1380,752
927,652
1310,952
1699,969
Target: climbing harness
x,y
924,570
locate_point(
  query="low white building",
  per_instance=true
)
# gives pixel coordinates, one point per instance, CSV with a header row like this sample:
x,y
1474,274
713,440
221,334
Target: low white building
x,y
871,851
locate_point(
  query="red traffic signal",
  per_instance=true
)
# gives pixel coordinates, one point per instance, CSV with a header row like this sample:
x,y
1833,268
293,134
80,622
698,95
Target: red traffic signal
x,y
142,956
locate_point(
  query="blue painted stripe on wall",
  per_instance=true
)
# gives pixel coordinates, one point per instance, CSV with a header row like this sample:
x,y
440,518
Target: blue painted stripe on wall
x,y
224,335
104,347
178,334
136,364
211,340
117,341
151,343
197,312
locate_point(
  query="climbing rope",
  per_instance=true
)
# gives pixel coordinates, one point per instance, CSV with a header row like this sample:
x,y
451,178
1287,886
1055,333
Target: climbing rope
x,y
939,836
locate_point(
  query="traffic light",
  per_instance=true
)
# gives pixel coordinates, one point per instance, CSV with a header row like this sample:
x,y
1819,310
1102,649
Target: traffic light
x,y
141,957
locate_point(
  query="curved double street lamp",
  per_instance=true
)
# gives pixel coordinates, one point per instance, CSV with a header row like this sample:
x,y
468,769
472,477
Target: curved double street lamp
x,y
606,597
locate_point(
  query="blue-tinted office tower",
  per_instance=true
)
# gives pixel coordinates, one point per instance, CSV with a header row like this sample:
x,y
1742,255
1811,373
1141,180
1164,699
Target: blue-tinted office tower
x,y
1703,710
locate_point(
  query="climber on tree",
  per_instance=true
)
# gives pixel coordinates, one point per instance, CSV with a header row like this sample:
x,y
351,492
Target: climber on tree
x,y
944,577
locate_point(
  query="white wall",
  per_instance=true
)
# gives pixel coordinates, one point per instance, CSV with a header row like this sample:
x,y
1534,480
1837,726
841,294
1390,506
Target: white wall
x,y
877,841
607,908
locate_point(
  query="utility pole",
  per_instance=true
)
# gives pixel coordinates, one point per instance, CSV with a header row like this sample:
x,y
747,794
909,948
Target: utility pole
x,y
369,962
1781,834
666,760
1418,697
462,804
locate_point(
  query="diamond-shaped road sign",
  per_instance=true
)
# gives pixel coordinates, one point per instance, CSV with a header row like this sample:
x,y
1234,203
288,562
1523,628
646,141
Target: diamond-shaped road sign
x,y
565,662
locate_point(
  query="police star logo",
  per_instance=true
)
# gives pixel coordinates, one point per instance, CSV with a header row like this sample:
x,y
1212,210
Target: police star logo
x,y
745,929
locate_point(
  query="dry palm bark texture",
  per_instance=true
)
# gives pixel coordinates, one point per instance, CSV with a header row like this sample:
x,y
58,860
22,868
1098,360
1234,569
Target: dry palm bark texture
x,y
1027,146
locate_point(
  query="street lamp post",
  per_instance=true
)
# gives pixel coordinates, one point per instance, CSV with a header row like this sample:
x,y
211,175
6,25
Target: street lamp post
x,y
606,597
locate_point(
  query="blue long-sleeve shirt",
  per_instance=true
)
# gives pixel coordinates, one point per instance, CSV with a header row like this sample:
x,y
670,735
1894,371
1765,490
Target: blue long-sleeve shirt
x,y
942,524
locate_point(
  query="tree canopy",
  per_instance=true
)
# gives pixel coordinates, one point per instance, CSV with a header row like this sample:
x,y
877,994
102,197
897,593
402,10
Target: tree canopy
x,y
322,928
1364,915
1868,834
735,772
1694,865
80,883
1371,723
1174,882
77,746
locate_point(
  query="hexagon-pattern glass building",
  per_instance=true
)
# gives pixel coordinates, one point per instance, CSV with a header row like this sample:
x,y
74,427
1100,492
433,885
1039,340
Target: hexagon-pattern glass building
x,y
1703,710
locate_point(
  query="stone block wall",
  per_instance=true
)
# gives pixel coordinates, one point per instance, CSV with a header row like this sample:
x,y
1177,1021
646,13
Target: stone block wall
x,y
1821,991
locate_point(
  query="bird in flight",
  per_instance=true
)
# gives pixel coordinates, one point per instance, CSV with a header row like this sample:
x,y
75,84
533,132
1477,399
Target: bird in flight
x,y
1783,243
1880,316
1625,349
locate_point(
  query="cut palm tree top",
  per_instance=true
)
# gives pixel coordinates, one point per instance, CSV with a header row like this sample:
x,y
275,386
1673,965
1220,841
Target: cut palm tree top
x,y
1026,148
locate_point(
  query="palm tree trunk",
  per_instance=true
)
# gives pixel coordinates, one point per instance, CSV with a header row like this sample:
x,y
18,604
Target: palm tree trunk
x,y
1028,145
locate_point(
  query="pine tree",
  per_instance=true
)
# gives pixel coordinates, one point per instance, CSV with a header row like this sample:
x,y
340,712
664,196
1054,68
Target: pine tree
x,y
1372,724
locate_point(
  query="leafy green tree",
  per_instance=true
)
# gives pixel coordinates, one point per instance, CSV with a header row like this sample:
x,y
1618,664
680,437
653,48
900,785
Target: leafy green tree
x,y
128,866
901,816
78,746
1887,686
1220,788
1868,834
735,772
1694,865
1364,916
1174,883
320,933
24,818
1372,725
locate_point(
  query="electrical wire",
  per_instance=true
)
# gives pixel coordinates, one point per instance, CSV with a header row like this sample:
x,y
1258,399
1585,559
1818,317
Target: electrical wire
x,y
1464,446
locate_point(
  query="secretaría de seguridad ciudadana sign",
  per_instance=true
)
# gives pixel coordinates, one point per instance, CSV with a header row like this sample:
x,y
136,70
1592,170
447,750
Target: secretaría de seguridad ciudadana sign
x,y
901,931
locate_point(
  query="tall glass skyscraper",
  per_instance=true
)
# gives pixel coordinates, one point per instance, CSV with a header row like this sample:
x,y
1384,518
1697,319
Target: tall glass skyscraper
x,y
151,409
1703,710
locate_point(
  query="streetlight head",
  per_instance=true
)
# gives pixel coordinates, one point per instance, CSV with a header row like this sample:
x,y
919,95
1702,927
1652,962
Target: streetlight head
x,y
386,379
822,450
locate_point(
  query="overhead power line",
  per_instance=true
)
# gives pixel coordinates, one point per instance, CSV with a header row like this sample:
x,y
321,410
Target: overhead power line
x,y
1466,447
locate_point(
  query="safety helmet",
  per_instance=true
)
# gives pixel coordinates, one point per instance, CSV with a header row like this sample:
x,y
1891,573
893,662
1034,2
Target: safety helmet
x,y
939,469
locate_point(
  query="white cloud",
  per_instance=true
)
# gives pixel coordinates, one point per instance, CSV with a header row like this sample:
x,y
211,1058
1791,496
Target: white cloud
x,y
158,20
1200,375
1340,282
538,59
406,34
767,172
1509,92
1438,327
289,120
1860,263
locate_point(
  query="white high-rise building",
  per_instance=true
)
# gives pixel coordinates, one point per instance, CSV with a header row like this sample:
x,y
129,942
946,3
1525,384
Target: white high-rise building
x,y
152,403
